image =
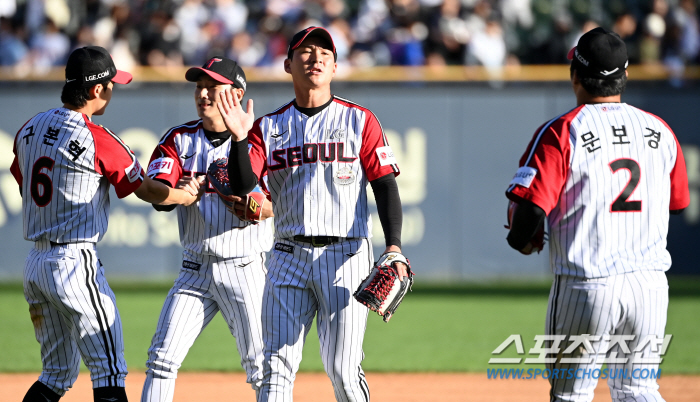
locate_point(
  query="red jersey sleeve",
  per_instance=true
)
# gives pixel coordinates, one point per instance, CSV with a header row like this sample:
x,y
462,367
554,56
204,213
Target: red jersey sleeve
x,y
257,151
376,155
543,167
115,161
680,195
165,164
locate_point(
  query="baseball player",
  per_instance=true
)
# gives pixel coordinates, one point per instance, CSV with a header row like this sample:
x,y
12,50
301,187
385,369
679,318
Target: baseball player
x,y
319,152
606,175
64,164
223,264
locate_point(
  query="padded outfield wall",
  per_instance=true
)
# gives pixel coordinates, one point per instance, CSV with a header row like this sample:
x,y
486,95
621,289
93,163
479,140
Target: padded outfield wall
x,y
457,145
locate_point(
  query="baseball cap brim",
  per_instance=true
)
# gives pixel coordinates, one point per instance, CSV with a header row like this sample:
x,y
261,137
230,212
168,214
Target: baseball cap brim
x,y
194,73
122,77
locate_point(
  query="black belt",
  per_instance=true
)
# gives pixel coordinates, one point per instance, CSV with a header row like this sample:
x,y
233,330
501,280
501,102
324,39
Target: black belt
x,y
321,241
54,244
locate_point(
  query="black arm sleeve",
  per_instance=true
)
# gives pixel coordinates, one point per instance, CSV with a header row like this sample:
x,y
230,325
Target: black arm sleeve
x,y
386,193
164,208
676,211
240,172
526,219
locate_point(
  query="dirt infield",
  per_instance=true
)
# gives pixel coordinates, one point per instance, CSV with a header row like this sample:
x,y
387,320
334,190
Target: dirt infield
x,y
195,387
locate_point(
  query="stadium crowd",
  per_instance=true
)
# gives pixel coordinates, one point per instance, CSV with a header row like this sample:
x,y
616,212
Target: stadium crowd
x,y
39,34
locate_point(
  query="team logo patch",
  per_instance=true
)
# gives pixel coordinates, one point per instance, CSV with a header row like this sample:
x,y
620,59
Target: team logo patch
x,y
386,156
191,265
285,248
344,176
133,172
337,134
524,176
610,108
160,165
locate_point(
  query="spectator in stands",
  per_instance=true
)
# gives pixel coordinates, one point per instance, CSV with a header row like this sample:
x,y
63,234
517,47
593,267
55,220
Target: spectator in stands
x,y
12,48
369,32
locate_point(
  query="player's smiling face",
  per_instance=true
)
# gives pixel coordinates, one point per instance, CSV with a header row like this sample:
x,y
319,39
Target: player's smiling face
x,y
312,63
206,96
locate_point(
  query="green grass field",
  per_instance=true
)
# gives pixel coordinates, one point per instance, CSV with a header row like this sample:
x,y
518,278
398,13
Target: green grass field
x,y
438,328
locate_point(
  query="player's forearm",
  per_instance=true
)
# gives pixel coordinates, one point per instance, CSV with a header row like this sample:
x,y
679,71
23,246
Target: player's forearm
x,y
386,193
158,193
240,171
526,220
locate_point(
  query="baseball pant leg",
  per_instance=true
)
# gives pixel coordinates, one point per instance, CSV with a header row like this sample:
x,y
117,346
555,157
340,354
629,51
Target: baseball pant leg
x,y
341,321
60,358
74,284
289,306
646,305
187,310
580,306
240,283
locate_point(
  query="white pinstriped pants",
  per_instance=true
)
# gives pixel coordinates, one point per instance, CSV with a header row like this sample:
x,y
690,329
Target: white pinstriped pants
x,y
233,286
74,314
634,303
304,282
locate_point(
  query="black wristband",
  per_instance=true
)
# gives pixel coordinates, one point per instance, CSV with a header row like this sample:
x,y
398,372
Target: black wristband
x,y
240,172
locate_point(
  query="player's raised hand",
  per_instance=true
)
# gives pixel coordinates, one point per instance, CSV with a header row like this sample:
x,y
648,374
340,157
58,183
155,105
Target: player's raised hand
x,y
237,121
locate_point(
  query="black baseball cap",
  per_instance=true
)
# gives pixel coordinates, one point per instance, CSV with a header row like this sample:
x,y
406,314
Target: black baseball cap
x,y
220,69
299,37
600,54
91,64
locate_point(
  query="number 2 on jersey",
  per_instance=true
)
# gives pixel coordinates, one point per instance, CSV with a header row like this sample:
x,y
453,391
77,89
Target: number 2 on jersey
x,y
42,198
621,203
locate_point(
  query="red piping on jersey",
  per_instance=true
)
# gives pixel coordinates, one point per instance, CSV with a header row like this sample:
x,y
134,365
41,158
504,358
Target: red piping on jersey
x,y
280,110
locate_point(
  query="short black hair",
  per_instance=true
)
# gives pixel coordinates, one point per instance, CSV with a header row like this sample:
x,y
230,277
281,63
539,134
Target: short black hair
x,y
77,95
600,86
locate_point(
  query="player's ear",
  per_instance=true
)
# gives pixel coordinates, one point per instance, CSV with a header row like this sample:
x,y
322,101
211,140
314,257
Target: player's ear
x,y
288,66
95,91
574,77
239,92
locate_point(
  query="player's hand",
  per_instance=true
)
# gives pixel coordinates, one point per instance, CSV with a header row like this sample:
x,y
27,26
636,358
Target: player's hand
x,y
266,211
188,198
401,267
237,121
192,185
239,208
238,204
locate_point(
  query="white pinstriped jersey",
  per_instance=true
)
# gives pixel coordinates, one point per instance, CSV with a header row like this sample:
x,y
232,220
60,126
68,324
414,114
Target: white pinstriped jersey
x,y
64,164
206,227
318,167
606,175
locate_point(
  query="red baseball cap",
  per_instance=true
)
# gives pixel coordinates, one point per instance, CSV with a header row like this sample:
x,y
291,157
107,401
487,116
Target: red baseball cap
x,y
299,37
